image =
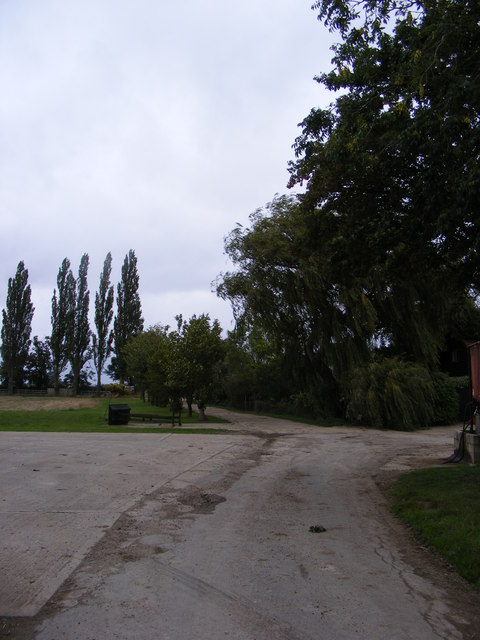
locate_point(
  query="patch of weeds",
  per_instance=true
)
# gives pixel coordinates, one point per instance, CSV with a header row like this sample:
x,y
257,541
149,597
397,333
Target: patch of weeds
x,y
317,528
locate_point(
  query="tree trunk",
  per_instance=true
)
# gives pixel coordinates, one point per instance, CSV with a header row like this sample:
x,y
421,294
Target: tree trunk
x,y
201,412
56,382
75,383
11,381
99,377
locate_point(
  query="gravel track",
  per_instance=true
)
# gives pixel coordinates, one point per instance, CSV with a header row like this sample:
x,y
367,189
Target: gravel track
x,y
184,537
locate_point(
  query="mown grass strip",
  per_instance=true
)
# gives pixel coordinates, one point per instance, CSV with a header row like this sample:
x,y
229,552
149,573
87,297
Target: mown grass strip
x,y
95,419
442,506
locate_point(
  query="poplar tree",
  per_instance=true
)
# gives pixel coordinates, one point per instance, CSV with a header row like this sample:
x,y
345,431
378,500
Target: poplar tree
x,y
62,318
79,352
128,321
16,327
102,340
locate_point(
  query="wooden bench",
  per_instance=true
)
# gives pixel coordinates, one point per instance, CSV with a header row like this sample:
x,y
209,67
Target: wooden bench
x,y
157,417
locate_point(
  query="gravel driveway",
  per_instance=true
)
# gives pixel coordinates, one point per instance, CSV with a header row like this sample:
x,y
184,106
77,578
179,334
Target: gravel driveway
x,y
207,537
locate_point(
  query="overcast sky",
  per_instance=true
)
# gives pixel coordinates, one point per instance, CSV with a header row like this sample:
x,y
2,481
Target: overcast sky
x,y
147,125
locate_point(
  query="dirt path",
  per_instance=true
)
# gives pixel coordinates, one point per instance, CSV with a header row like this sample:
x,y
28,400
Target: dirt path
x,y
208,537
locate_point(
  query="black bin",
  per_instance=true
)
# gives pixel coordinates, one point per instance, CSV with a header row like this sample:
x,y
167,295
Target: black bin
x,y
118,414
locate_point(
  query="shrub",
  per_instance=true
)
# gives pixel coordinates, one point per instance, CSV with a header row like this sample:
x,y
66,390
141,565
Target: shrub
x,y
461,382
116,389
446,399
391,393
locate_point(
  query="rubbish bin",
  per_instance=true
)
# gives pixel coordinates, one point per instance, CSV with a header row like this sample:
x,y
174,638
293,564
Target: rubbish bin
x,y
118,414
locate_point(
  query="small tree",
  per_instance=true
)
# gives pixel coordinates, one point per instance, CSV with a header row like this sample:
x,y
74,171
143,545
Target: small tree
x,y
102,340
128,321
63,312
141,352
39,364
154,362
79,353
16,327
201,351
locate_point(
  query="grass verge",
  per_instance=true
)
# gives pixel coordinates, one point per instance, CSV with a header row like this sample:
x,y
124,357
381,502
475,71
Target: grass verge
x,y
441,505
68,417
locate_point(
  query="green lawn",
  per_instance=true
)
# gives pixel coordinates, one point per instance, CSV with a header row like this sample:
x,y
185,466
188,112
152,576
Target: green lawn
x,y
442,506
24,414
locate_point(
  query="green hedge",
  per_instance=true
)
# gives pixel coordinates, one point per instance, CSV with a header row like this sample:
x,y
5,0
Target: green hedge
x,y
116,389
446,403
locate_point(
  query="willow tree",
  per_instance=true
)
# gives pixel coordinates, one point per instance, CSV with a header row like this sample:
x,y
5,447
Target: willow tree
x,y
316,315
380,254
16,327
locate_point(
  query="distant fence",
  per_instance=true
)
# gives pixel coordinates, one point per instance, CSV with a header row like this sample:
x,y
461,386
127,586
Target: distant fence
x,y
26,392
49,392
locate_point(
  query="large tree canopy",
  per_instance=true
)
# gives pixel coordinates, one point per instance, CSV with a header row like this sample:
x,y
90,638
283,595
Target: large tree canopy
x,y
315,318
380,254
396,157
392,167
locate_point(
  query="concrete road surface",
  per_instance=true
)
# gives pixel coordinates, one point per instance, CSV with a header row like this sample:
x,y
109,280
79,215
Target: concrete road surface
x,y
207,537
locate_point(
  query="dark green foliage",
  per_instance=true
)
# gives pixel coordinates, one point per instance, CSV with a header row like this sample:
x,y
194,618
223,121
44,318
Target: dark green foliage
x,y
396,157
446,399
296,295
172,365
38,368
461,382
78,349
82,383
317,528
391,393
257,377
128,321
380,256
116,389
153,363
392,168
238,379
145,356
63,318
102,340
198,352
16,327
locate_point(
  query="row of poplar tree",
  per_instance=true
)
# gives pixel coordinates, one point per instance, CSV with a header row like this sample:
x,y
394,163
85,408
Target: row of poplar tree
x,y
71,342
